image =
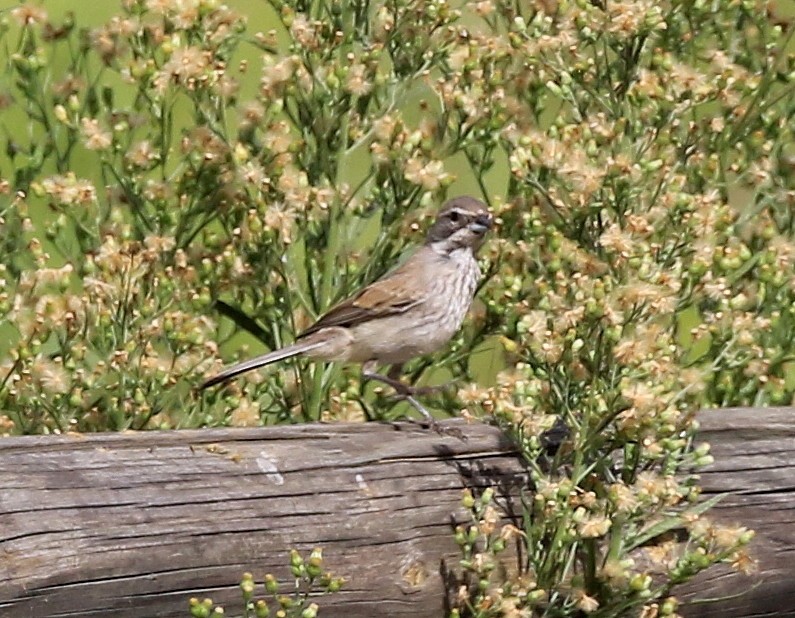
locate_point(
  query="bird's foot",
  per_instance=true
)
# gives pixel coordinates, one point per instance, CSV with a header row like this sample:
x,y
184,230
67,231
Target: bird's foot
x,y
434,424
408,394
404,390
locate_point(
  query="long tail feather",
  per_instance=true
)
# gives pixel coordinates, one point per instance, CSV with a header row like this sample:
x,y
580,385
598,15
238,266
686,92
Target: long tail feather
x,y
260,361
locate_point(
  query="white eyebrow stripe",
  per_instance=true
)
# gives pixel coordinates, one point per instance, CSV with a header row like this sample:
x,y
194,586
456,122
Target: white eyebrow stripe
x,y
462,212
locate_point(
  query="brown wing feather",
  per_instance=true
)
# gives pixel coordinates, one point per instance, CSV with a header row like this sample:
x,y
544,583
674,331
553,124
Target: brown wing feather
x,y
391,295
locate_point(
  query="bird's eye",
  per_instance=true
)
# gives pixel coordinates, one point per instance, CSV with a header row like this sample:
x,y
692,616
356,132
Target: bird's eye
x,y
454,216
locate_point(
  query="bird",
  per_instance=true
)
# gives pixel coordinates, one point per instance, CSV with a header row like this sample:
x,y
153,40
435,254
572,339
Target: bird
x,y
412,311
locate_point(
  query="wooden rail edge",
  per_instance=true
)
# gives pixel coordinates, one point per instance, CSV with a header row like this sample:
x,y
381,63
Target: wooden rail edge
x,y
131,525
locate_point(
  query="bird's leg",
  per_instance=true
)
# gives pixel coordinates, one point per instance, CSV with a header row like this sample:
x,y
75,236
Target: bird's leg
x,y
394,373
406,392
403,390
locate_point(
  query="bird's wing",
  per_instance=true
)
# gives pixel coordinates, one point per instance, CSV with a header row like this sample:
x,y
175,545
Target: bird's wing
x,y
394,294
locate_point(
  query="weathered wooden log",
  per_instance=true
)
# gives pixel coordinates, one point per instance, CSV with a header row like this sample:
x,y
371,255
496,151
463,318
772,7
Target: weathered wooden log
x,y
135,524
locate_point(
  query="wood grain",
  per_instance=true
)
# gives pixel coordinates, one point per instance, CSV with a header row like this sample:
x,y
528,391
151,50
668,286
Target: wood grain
x,y
754,450
136,524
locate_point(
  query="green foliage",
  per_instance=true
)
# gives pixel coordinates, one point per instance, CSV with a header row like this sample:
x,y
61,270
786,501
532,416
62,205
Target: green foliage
x,y
308,579
638,156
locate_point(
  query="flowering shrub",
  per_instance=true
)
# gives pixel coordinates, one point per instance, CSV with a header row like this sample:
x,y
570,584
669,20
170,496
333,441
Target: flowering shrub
x,y
309,581
157,213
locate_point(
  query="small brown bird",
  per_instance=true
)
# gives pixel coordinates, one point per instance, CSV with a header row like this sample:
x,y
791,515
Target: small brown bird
x,y
410,312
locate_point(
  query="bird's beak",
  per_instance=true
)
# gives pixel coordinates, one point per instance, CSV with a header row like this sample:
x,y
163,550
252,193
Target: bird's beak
x,y
482,224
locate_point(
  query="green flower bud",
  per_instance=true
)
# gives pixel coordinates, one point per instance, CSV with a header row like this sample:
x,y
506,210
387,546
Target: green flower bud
x,y
271,585
314,567
554,88
310,612
640,581
261,609
200,609
335,583
285,601
668,606
247,585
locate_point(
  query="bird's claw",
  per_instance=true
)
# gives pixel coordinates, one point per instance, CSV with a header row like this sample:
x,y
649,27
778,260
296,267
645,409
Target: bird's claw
x,y
434,424
453,432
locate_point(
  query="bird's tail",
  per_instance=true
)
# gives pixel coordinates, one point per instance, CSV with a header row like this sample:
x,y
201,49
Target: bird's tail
x,y
260,361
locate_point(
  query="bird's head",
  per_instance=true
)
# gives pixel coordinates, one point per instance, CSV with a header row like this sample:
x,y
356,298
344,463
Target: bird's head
x,y
462,222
